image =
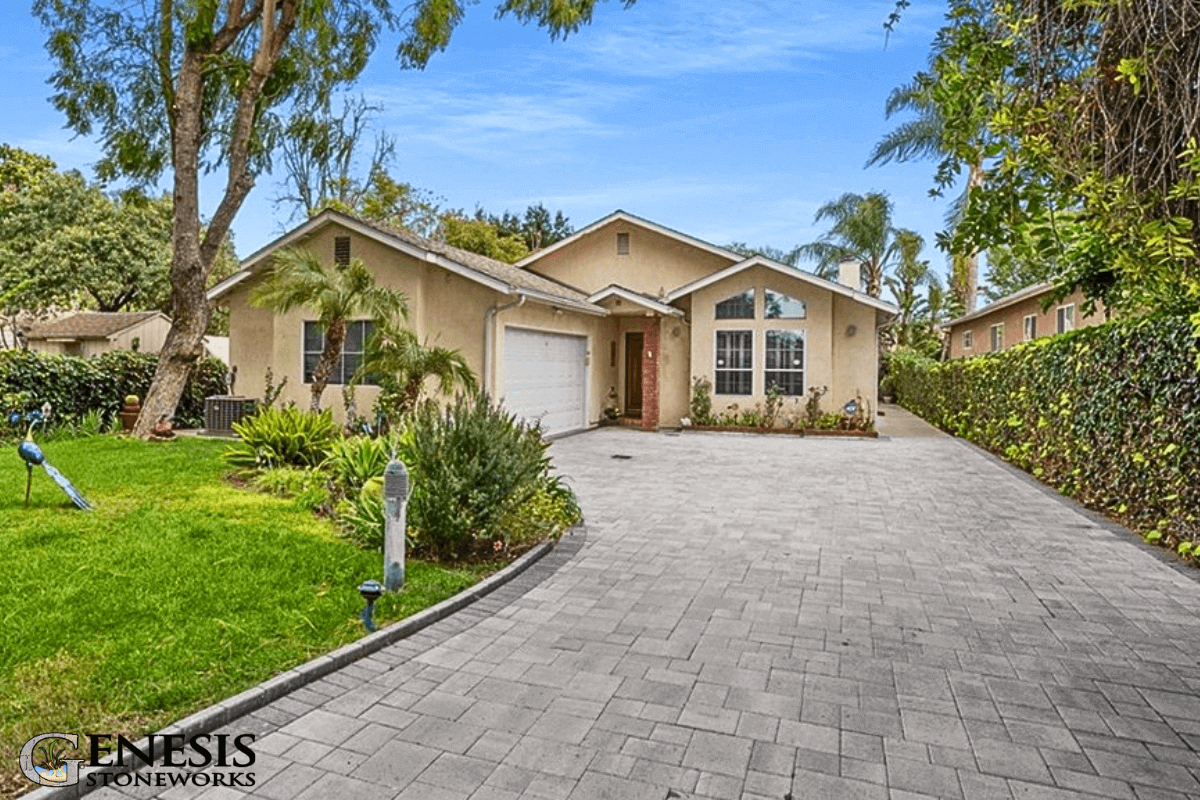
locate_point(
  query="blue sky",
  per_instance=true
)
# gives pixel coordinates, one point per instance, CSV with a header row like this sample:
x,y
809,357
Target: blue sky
x,y
729,121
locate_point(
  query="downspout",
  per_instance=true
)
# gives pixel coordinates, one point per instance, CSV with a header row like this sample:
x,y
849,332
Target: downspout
x,y
489,318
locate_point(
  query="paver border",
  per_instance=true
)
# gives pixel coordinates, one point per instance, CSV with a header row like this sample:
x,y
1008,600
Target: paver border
x,y
1114,529
222,713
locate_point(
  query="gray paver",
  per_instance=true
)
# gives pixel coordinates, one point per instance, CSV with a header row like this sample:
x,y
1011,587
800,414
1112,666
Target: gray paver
x,y
747,616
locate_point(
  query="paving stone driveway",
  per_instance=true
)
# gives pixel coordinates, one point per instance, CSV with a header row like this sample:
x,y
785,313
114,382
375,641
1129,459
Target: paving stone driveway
x,y
753,617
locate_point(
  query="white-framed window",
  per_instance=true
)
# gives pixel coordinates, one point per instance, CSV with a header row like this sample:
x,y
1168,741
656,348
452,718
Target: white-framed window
x,y
777,305
740,306
622,244
1029,327
1065,317
997,335
968,341
783,362
733,366
357,334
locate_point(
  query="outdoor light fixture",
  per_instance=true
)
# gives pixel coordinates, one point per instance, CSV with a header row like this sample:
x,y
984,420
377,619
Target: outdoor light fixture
x,y
395,498
371,591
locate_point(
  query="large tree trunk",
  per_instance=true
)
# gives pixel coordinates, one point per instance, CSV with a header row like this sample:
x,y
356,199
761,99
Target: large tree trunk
x,y
192,256
185,341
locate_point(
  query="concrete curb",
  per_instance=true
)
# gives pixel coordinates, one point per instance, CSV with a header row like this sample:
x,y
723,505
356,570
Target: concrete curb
x,y
256,697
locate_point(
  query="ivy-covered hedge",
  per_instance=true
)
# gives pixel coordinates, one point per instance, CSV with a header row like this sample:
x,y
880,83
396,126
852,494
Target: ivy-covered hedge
x,y
75,386
1109,415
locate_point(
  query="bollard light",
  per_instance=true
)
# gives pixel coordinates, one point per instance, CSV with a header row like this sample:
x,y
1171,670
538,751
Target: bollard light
x,y
371,591
395,499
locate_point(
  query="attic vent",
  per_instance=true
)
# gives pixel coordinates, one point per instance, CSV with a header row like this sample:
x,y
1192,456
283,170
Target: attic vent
x,y
622,244
341,250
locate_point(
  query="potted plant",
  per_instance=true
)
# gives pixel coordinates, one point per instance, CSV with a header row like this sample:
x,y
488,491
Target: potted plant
x,y
130,411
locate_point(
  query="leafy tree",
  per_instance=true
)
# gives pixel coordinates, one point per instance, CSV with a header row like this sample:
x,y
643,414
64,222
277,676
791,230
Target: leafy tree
x,y
192,85
480,236
861,228
401,364
117,252
297,278
789,257
537,228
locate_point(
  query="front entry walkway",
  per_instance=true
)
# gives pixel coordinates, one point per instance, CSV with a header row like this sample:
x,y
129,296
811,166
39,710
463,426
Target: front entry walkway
x,y
770,617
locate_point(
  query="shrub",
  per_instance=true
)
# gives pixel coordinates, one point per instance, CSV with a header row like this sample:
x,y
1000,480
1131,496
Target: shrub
x,y
354,460
308,486
282,437
74,386
1108,414
471,465
551,510
702,401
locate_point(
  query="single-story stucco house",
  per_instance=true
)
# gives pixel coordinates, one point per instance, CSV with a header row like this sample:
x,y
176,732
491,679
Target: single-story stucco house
x,y
623,305
1019,317
89,333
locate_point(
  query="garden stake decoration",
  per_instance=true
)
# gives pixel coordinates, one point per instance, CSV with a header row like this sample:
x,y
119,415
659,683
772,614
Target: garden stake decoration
x,y
32,455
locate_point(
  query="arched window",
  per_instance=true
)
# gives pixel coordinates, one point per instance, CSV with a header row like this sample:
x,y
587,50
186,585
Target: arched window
x,y
740,306
777,305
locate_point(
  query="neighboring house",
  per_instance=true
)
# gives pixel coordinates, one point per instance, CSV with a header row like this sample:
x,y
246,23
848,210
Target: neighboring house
x,y
90,333
624,305
1019,317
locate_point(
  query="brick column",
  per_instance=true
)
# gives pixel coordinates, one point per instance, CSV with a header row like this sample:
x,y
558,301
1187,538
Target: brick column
x,y
651,355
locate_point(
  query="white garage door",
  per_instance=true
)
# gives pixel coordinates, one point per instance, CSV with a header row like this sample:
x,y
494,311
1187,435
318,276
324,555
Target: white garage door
x,y
545,377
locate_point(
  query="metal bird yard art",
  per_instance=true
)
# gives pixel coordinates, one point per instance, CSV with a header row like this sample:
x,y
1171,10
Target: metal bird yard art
x,y
32,455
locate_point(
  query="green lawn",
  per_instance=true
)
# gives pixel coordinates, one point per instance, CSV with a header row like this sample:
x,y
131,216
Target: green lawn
x,y
177,591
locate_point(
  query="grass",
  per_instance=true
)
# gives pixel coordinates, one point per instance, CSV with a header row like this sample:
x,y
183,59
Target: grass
x,y
177,591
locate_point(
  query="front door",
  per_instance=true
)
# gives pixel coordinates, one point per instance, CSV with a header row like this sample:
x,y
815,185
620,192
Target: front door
x,y
633,375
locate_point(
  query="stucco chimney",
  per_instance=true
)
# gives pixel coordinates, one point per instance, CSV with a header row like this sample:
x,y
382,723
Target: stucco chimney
x,y
850,274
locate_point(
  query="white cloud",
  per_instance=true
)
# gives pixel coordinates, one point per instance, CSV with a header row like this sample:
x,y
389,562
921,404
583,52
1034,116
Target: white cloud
x,y
768,35
486,123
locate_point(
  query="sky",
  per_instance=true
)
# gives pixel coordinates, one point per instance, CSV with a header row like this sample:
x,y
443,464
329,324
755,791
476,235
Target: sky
x,y
730,121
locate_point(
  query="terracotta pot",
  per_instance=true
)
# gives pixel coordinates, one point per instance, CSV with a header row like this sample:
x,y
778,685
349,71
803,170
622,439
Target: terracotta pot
x,y
129,416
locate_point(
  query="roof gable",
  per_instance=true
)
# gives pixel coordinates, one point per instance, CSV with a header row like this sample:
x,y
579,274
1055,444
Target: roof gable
x,y
634,220
91,324
783,269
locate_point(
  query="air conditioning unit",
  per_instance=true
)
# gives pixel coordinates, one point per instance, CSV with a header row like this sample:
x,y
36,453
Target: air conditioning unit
x,y
221,411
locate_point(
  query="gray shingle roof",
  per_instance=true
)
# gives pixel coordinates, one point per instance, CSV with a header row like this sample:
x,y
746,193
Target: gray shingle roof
x,y
89,325
514,276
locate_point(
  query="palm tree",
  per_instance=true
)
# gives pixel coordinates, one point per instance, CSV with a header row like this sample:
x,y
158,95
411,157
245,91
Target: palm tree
x,y
861,229
397,359
909,275
297,279
924,137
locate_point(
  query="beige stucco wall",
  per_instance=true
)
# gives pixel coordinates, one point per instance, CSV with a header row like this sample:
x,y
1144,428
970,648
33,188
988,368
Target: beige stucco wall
x,y
150,335
833,359
445,309
655,263
1013,319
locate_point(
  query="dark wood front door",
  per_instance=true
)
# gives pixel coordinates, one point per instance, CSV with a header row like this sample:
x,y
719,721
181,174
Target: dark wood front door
x,y
633,375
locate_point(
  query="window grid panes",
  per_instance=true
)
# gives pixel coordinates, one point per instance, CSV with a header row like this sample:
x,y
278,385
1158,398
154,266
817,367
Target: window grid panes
x,y
777,305
997,337
357,335
734,369
967,343
1030,328
784,362
1066,318
740,306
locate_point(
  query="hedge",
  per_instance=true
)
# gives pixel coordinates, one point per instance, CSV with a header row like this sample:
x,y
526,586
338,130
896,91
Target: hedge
x,y
75,385
1109,415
